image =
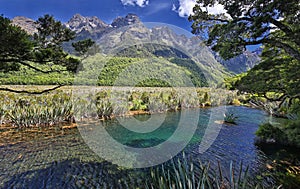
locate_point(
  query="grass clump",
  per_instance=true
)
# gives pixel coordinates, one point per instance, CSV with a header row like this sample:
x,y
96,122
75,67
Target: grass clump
x,y
186,174
230,118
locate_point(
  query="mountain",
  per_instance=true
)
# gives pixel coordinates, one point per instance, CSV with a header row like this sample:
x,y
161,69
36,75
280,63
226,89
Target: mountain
x,y
129,30
80,23
26,24
241,63
130,19
137,40
159,41
129,37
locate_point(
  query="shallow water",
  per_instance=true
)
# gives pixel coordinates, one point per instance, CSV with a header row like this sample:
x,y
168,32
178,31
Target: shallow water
x,y
66,161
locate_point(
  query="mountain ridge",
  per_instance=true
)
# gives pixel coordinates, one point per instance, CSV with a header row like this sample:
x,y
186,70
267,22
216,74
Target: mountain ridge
x,y
130,30
79,23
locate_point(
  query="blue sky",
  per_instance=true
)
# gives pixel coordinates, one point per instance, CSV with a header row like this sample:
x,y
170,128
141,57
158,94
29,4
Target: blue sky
x,y
174,12
165,11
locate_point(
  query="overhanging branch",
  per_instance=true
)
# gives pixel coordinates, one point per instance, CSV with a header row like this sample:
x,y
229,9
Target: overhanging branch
x,y
30,92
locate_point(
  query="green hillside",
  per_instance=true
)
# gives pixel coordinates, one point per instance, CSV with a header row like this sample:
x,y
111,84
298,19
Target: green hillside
x,y
122,71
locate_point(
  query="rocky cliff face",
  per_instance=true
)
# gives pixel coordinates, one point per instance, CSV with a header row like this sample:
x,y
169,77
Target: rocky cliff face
x,y
93,27
130,19
80,23
241,63
26,24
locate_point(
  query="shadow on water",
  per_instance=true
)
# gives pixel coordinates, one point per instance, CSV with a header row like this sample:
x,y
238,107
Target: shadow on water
x,y
73,174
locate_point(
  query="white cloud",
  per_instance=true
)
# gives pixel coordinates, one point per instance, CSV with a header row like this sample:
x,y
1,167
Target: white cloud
x,y
217,9
174,8
141,3
186,8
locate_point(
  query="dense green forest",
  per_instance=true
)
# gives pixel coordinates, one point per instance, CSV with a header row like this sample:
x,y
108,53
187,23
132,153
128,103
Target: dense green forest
x,y
103,71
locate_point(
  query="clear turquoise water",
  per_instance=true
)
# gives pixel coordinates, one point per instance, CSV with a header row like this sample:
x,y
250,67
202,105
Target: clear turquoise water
x,y
233,143
67,162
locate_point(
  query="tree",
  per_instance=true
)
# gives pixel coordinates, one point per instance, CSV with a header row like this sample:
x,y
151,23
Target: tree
x,y
83,47
15,45
249,22
42,52
275,24
276,78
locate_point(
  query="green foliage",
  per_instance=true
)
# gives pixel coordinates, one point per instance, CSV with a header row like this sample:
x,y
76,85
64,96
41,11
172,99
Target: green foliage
x,y
269,132
275,80
151,50
22,110
269,23
28,111
231,82
29,77
230,118
277,73
153,83
249,23
43,48
185,173
82,47
104,71
138,105
287,134
292,131
173,55
197,75
15,43
104,109
159,73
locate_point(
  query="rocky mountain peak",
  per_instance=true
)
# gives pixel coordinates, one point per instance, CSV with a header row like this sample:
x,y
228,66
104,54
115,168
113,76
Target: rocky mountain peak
x,y
80,23
25,23
129,19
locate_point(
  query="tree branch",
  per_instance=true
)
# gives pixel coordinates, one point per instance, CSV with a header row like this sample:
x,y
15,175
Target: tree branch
x,y
286,47
30,92
35,68
285,29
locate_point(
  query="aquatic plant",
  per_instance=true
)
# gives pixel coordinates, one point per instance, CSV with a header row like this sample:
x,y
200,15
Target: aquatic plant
x,y
185,173
156,105
44,110
61,106
230,118
104,109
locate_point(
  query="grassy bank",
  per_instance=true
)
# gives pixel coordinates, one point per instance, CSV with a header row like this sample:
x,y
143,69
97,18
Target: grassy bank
x,y
70,103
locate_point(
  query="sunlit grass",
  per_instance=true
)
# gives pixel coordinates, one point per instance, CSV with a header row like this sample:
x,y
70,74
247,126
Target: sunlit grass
x,y
70,103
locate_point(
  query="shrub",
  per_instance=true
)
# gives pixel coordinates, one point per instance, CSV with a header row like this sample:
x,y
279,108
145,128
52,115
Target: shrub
x,y
267,132
292,131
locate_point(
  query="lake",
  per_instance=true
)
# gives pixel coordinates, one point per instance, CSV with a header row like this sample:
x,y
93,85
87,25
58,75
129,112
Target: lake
x,y
69,158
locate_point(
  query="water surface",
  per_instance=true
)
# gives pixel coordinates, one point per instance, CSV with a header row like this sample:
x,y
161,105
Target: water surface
x,y
62,159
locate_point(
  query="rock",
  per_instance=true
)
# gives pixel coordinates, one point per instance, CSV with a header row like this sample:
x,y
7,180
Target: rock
x,y
25,23
130,19
79,23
